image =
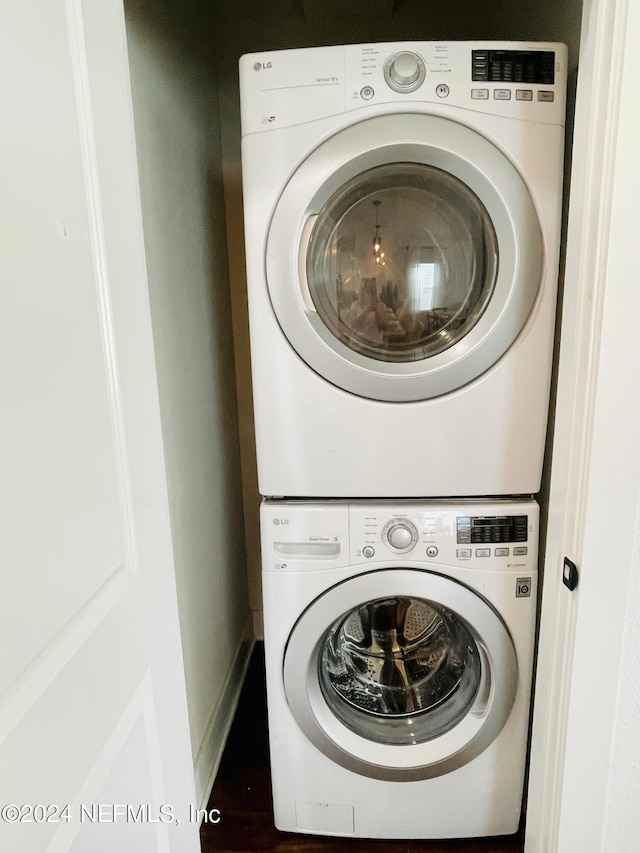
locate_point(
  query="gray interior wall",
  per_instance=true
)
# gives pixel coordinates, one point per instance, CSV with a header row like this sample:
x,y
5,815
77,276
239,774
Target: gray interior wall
x,y
180,168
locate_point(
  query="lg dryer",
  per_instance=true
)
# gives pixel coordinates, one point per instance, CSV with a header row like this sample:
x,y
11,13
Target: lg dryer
x,y
402,217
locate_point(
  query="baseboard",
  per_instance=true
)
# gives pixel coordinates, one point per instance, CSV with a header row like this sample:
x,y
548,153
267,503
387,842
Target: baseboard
x,y
209,755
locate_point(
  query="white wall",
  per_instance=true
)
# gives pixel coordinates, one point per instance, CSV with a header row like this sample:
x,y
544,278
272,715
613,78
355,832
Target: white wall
x,y
177,137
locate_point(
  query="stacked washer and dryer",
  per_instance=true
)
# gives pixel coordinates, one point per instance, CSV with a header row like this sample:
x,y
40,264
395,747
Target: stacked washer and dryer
x,y
402,222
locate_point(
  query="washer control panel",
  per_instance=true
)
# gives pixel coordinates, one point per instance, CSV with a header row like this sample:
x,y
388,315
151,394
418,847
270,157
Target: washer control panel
x,y
455,533
493,528
314,536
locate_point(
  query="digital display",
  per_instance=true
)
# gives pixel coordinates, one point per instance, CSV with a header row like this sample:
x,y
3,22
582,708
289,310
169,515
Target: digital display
x,y
492,529
514,66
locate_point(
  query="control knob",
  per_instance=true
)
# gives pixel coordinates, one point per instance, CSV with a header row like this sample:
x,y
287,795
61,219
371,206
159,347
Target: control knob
x,y
400,535
404,72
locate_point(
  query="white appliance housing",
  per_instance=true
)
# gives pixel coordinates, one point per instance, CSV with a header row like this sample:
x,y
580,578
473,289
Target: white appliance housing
x,y
336,771
404,383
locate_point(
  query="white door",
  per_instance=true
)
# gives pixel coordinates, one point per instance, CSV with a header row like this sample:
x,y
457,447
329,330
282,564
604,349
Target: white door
x,y
94,746
404,257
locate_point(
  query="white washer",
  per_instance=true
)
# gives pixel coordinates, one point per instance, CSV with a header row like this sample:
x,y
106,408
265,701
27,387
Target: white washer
x,y
402,222
399,644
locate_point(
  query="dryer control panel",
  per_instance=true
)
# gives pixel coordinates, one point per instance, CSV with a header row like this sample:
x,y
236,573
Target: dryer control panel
x,y
530,67
521,80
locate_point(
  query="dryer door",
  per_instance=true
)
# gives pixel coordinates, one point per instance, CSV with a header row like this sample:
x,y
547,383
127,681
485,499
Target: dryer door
x,y
400,674
404,257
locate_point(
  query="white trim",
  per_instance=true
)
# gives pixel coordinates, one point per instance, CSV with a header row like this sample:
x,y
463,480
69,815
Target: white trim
x,y
209,755
595,139
91,170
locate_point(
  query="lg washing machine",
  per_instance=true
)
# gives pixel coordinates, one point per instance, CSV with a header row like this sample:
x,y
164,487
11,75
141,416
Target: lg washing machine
x,y
399,643
402,220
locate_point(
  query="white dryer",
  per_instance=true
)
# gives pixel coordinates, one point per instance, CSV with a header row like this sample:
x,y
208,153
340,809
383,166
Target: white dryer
x,y
399,644
402,220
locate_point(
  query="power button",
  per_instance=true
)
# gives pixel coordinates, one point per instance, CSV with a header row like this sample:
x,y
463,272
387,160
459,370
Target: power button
x,y
366,93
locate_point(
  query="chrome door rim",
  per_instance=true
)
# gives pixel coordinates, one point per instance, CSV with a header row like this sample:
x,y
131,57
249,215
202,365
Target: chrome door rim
x,y
416,761
471,158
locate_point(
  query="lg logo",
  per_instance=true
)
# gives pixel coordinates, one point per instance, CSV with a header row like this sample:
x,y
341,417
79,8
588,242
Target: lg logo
x,y
259,66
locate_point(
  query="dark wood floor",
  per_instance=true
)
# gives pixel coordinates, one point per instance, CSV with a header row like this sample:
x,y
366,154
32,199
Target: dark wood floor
x,y
242,794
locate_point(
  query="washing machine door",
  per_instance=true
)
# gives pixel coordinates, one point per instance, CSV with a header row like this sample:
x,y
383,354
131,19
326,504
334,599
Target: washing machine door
x,y
400,674
404,257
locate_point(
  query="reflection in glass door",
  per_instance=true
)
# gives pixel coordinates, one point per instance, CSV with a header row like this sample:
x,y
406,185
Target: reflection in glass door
x,y
402,262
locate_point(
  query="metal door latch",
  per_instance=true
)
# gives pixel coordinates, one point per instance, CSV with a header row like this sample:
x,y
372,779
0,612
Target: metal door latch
x,y
570,574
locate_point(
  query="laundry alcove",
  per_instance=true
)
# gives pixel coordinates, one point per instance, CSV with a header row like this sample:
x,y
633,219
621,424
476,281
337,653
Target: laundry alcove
x,y
183,59
127,460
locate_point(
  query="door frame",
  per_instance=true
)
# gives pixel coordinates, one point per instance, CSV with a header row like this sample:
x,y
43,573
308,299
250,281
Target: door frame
x,y
591,519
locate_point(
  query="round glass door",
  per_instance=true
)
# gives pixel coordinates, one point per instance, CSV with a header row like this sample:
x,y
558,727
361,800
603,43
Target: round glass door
x,y
402,262
403,257
400,674
399,670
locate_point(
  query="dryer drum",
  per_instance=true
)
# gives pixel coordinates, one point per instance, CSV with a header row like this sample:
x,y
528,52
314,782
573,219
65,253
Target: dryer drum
x,y
399,670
